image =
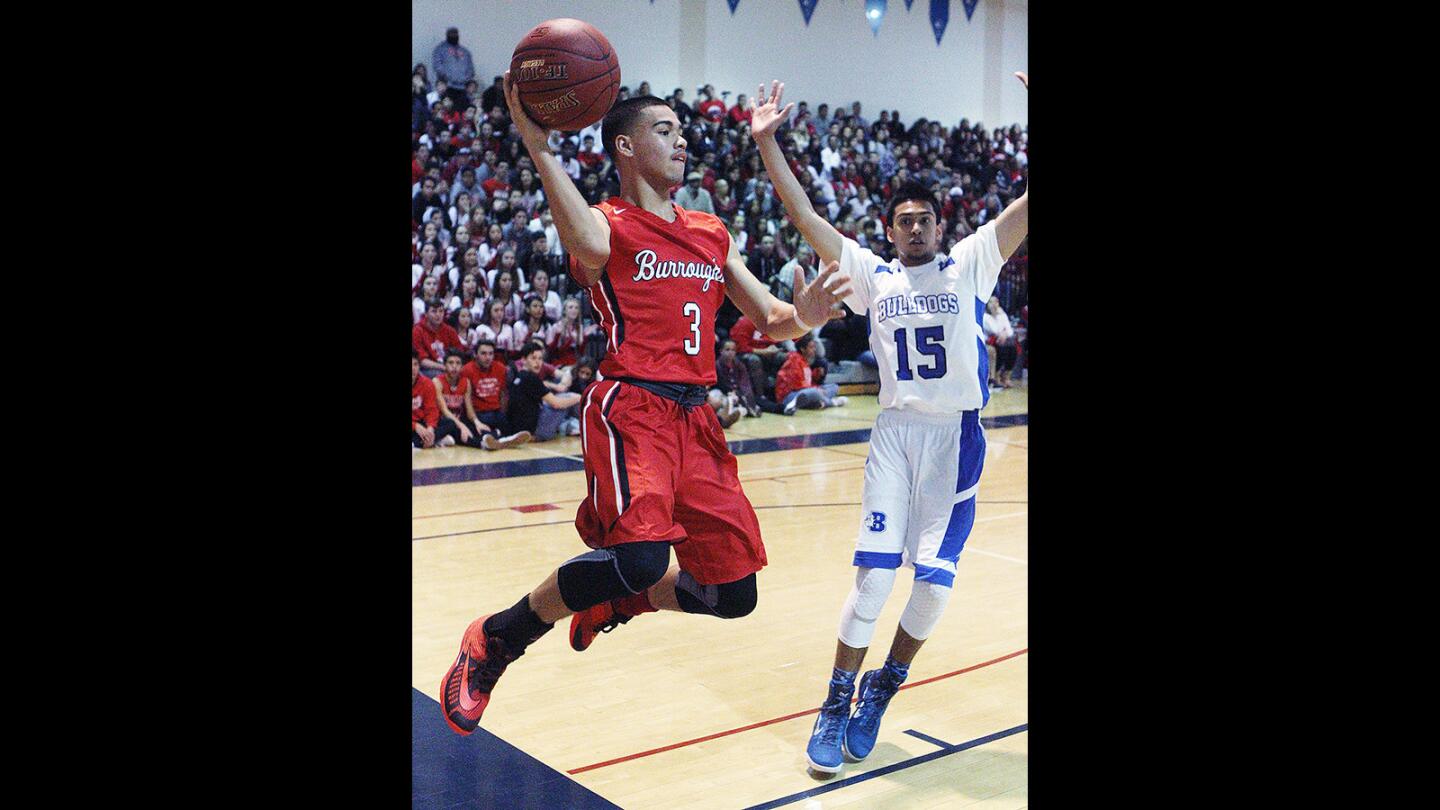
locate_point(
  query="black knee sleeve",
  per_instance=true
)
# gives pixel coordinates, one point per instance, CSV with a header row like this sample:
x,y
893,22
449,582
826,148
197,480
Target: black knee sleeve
x,y
610,573
728,601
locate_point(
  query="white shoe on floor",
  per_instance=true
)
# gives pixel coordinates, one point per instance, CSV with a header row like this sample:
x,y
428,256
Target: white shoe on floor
x,y
448,441
791,406
839,402
516,439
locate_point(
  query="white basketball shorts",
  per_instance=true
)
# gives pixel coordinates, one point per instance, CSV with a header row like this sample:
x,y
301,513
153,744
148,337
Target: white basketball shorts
x,y
921,478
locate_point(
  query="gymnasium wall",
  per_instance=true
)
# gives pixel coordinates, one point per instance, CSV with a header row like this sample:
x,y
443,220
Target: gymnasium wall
x,y
836,59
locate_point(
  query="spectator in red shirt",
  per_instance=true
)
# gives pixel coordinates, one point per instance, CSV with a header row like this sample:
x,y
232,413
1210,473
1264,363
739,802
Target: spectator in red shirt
x,y
453,394
489,391
498,182
431,337
426,429
739,114
798,385
711,107
761,355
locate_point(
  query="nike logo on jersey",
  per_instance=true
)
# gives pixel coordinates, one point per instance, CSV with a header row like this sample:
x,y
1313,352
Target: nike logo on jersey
x,y
621,210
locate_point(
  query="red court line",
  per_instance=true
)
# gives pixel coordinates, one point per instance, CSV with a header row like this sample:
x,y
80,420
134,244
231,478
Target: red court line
x,y
535,507
772,721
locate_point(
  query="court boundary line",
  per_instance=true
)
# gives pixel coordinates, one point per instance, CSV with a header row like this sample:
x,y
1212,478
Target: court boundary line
x,y
888,769
920,735
573,500
772,721
556,461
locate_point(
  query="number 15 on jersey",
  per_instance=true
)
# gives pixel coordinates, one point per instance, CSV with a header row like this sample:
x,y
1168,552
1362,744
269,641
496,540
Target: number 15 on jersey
x,y
927,342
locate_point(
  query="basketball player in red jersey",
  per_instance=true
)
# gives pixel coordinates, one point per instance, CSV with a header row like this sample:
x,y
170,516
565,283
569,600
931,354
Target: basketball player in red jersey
x,y
657,469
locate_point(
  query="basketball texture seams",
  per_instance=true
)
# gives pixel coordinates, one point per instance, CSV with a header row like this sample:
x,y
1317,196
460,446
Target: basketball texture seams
x,y
567,73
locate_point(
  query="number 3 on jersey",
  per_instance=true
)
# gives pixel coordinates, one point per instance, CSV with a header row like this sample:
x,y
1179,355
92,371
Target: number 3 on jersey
x,y
692,310
927,341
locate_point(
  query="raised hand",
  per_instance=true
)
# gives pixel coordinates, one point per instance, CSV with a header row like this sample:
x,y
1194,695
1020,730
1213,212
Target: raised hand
x,y
530,132
765,111
815,302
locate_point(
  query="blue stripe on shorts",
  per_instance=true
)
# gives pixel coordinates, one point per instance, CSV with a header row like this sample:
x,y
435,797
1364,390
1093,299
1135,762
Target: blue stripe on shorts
x,y
972,451
939,576
877,559
962,520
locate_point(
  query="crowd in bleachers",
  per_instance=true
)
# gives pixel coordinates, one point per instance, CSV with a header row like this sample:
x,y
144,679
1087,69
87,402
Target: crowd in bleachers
x,y
506,339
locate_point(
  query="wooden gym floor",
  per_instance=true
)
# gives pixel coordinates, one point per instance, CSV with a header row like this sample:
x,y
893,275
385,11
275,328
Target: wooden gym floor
x,y
675,710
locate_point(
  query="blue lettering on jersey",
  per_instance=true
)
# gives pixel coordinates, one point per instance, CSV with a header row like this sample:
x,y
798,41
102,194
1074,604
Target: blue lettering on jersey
x,y
877,522
919,304
882,268
945,262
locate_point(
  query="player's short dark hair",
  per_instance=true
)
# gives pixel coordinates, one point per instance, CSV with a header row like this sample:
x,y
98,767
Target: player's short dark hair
x,y
435,302
910,191
454,353
622,118
530,347
484,342
803,341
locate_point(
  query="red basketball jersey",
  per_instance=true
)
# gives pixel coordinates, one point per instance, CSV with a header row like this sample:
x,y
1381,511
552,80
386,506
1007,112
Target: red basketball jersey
x,y
658,294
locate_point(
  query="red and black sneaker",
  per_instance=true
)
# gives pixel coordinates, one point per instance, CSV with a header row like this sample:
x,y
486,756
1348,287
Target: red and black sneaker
x,y
588,623
465,691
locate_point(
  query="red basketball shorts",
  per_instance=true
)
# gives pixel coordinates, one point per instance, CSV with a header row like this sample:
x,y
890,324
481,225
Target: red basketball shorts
x,y
655,471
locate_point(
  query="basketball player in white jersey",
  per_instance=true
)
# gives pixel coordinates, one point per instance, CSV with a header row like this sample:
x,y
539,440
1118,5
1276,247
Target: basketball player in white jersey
x,y
925,313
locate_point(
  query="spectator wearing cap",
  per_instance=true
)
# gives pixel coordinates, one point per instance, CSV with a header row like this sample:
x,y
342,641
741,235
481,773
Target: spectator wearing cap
x,y
432,336
453,63
460,161
692,197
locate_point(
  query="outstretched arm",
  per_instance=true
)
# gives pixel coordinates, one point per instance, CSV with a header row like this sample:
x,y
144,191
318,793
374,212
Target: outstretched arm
x,y
583,230
814,303
765,118
1014,222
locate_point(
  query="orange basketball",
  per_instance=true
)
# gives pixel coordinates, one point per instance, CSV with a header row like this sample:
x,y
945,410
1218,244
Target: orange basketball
x,y
567,74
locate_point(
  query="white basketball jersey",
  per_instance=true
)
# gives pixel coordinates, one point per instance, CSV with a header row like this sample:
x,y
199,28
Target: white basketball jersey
x,y
925,322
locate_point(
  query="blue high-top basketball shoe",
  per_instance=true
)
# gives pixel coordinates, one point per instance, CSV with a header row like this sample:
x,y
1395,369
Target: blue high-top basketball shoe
x,y
824,751
876,688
